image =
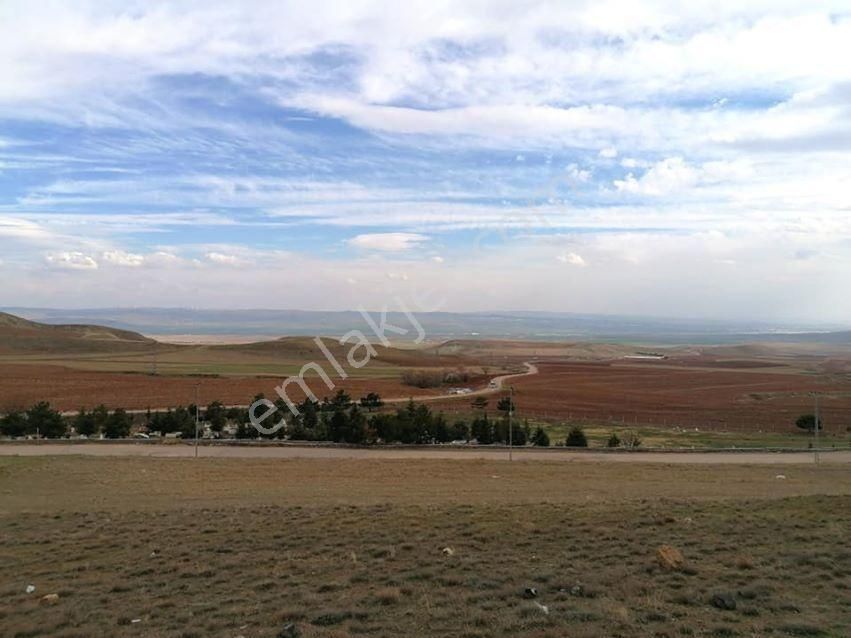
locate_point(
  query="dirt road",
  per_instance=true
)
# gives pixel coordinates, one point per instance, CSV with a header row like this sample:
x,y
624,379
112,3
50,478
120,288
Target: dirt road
x,y
182,450
495,385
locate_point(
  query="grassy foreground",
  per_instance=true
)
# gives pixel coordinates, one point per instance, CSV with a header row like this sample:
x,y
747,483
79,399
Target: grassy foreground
x,y
238,547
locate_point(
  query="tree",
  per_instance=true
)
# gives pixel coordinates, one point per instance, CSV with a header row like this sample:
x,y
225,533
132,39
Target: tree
x,y
46,421
100,415
216,416
460,431
118,425
372,401
613,441
480,403
339,425
357,426
184,422
540,438
481,430
506,405
576,437
808,422
14,424
84,423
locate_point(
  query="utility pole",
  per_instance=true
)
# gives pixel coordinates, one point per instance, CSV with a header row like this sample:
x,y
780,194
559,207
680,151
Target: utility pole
x,y
510,421
197,415
815,447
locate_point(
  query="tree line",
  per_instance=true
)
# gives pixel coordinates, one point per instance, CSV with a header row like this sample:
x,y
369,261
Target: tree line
x,y
338,419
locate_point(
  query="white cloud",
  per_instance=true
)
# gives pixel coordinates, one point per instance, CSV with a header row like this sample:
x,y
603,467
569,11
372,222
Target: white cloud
x,y
387,242
674,174
71,261
223,259
121,258
609,152
572,258
437,259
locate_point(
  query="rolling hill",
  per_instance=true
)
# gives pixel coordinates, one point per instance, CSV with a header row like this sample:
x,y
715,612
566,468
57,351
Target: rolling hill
x,y
19,335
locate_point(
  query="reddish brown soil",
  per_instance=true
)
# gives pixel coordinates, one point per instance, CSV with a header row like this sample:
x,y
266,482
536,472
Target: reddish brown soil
x,y
68,389
687,397
659,393
649,393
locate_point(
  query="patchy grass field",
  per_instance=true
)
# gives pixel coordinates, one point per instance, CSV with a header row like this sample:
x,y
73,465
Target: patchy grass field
x,y
176,547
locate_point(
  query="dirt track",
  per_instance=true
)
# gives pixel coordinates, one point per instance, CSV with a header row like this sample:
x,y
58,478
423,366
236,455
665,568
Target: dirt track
x,y
317,452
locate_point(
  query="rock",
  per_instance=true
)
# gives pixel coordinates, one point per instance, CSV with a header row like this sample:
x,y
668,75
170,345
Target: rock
x,y
448,551
724,600
782,477
543,608
49,599
30,589
290,630
670,558
530,592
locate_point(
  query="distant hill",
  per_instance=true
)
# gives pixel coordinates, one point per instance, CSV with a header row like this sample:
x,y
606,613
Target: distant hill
x,y
508,325
21,336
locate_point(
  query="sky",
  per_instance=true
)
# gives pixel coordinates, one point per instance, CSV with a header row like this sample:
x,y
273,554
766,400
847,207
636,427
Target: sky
x,y
623,157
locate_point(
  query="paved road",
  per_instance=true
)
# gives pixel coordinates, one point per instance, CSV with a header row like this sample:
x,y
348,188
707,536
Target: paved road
x,y
182,450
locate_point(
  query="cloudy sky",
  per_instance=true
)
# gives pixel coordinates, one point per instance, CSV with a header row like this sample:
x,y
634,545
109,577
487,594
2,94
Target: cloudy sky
x,y
602,156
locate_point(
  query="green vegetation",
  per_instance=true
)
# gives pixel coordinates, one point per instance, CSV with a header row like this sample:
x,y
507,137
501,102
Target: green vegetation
x,y
808,422
576,437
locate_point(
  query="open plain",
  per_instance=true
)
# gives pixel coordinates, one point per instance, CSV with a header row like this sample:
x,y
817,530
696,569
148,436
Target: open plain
x,y
390,547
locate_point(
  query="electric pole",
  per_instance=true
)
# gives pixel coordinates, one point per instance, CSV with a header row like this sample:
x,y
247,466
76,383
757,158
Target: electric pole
x,y
816,429
510,421
197,415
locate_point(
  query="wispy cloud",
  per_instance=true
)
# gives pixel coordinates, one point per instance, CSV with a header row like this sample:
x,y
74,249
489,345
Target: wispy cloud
x,y
180,139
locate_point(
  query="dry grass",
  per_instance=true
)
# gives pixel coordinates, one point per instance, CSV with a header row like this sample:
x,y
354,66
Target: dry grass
x,y
349,548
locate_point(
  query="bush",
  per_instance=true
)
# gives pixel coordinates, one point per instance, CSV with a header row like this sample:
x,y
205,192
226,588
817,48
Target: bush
x,y
423,378
631,439
808,422
576,437
613,441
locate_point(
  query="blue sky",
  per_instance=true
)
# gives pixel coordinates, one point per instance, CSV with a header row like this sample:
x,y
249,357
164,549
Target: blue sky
x,y
622,157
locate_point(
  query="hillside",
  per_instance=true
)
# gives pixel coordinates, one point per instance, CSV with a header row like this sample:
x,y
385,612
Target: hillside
x,y
21,336
305,349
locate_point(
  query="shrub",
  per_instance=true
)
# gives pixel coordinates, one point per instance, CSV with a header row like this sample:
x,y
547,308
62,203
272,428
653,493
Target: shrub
x,y
631,439
423,378
613,441
576,437
540,438
808,422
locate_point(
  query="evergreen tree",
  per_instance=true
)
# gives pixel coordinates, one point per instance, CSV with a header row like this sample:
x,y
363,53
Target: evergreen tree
x,y
540,438
576,437
14,424
84,423
45,420
118,425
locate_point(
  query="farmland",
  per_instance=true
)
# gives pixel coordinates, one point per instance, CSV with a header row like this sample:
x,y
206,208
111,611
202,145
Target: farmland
x,y
748,389
345,547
